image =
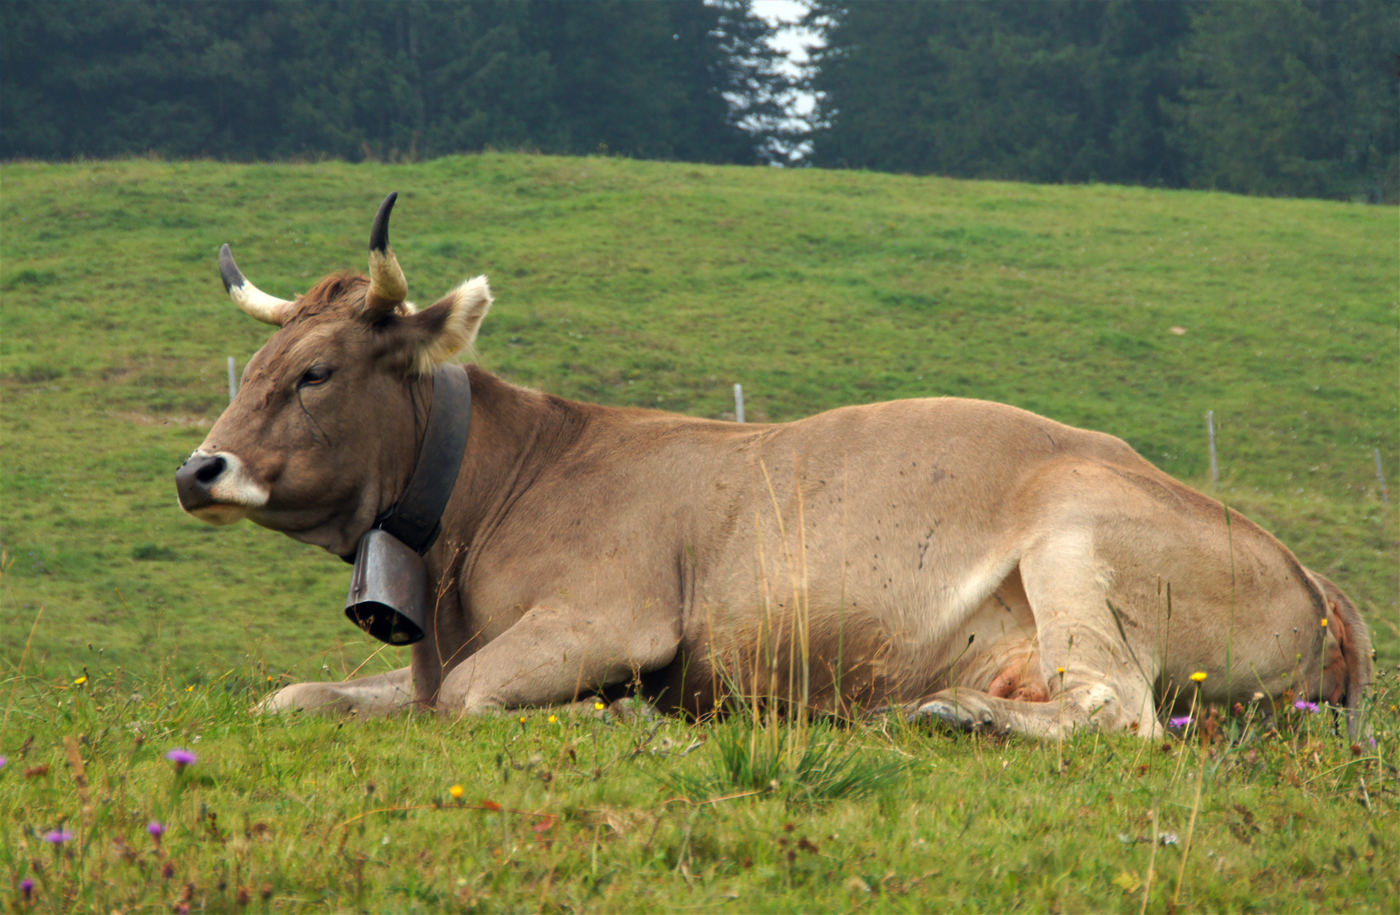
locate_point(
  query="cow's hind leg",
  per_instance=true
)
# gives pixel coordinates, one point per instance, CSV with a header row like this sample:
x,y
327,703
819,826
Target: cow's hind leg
x,y
367,697
1094,678
1091,705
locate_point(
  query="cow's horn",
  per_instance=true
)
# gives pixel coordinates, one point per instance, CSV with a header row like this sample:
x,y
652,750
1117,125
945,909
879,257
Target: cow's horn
x,y
387,286
266,308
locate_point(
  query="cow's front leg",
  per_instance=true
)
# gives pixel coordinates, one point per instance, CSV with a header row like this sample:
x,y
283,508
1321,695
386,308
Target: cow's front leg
x,y
552,656
382,694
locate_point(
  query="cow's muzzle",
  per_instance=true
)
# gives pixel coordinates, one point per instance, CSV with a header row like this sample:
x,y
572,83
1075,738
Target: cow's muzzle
x,y
214,487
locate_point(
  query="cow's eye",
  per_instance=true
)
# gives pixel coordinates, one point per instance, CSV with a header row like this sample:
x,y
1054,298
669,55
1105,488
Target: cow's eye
x,y
317,374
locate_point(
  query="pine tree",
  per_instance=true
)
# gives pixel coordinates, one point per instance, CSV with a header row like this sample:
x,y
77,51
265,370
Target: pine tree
x,y
1064,91
1293,98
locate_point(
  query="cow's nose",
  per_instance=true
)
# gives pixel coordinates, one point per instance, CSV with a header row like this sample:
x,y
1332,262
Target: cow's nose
x,y
195,478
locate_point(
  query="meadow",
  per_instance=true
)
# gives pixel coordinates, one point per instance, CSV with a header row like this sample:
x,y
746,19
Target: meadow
x,y
128,630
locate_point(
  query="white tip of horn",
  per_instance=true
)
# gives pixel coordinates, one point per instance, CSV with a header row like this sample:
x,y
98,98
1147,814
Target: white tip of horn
x,y
266,308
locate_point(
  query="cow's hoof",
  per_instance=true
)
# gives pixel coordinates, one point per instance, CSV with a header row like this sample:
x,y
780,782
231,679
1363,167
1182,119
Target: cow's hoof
x,y
630,708
956,715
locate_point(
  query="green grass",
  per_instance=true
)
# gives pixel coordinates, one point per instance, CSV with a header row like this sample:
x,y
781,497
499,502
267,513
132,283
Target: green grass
x,y
578,814
662,285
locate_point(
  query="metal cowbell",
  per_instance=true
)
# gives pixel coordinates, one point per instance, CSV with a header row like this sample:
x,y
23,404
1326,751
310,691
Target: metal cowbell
x,y
388,589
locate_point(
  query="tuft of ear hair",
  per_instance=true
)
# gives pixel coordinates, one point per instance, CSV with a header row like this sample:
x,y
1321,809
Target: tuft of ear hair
x,y
458,316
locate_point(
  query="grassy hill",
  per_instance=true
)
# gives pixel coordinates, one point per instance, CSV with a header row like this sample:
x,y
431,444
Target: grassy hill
x,y
663,285
127,628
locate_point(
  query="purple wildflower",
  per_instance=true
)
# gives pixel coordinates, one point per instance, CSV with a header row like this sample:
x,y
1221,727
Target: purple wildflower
x,y
58,836
181,758
1181,722
156,828
1303,705
26,886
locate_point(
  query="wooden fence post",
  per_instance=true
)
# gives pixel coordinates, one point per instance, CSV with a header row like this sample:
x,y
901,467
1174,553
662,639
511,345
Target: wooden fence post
x,y
1214,463
1385,493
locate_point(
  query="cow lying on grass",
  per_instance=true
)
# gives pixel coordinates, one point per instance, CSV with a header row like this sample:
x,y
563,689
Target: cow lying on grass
x,y
968,561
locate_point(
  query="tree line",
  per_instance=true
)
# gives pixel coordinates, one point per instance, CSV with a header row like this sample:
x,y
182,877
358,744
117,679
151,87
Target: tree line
x,y
276,79
1278,97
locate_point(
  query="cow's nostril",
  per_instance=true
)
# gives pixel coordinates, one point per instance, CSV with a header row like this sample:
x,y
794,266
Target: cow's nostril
x,y
210,471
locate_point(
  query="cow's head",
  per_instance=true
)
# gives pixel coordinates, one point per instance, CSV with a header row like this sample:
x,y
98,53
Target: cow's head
x,y
324,432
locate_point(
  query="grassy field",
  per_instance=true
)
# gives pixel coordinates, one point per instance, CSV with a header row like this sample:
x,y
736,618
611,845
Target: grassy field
x,y
584,814
1126,310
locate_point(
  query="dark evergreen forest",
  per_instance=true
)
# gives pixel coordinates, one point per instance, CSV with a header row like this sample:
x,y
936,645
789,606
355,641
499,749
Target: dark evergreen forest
x,y
275,79
1276,97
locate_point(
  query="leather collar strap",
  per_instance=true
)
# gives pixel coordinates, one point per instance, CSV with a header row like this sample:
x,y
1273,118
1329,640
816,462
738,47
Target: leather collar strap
x,y
416,518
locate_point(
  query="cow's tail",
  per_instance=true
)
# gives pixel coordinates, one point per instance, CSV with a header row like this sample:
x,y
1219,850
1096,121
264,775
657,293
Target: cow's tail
x,y
1355,641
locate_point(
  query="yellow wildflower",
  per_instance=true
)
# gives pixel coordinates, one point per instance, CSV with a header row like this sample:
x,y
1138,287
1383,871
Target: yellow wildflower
x,y
1324,622
456,792
81,680
1198,676
598,704
553,719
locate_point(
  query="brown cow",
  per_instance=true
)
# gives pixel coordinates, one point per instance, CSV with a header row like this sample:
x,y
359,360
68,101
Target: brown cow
x,y
968,561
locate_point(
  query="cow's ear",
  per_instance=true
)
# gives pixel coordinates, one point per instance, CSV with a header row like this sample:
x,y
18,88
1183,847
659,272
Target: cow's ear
x,y
436,333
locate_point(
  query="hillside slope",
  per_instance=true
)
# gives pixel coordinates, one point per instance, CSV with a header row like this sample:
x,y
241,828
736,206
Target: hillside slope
x,y
1126,310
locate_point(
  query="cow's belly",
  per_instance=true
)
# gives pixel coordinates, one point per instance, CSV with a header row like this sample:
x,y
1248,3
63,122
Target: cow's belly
x,y
862,642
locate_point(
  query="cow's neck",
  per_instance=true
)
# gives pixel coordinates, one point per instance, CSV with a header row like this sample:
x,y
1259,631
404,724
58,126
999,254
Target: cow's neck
x,y
514,433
